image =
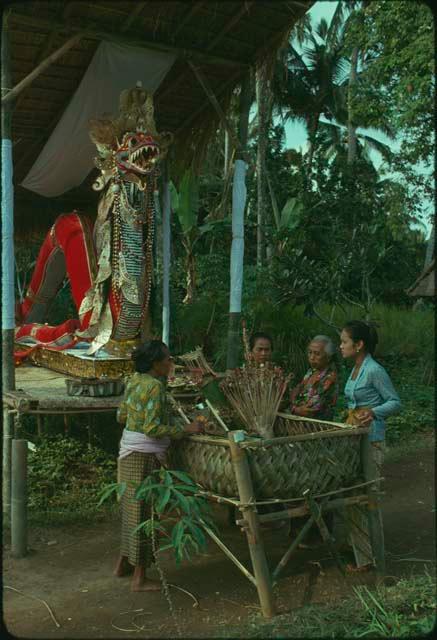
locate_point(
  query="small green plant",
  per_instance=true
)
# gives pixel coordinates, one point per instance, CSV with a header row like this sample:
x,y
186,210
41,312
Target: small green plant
x,y
67,476
179,514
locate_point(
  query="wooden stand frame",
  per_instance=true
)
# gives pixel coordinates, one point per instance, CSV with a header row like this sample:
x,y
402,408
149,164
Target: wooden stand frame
x,y
312,506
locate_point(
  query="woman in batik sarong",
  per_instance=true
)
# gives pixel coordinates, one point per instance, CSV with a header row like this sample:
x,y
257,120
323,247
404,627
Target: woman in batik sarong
x,y
371,398
146,438
316,395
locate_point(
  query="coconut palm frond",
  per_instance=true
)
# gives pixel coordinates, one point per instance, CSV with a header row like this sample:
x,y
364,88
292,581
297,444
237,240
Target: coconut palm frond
x,y
322,29
376,145
301,29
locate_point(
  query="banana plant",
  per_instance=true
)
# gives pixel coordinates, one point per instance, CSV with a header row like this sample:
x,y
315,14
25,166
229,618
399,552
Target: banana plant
x,y
186,204
290,219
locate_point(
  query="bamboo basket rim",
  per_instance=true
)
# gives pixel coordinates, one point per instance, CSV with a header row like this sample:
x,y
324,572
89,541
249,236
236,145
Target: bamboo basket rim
x,y
251,441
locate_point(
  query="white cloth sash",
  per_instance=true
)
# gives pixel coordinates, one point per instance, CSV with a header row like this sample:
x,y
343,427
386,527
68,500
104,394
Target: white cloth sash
x,y
135,441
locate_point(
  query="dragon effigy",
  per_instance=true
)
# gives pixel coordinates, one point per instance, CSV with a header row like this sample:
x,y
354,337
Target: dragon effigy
x,y
109,268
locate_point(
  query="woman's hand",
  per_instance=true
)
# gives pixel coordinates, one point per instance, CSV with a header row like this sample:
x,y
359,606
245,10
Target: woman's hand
x,y
366,417
194,428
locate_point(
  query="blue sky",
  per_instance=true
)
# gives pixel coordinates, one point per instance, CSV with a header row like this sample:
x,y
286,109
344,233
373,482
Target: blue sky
x,y
295,132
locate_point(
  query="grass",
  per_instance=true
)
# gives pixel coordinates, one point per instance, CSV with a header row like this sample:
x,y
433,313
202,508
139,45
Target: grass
x,y
404,610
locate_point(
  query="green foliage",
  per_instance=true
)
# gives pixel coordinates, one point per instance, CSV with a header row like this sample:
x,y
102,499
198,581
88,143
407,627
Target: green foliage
x,y
180,511
186,202
405,610
397,80
67,475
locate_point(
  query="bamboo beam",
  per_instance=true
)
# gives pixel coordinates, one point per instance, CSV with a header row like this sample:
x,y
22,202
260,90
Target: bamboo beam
x,y
287,555
228,26
228,553
210,94
303,510
41,67
45,50
253,532
261,442
232,81
210,47
94,33
134,14
194,9
317,513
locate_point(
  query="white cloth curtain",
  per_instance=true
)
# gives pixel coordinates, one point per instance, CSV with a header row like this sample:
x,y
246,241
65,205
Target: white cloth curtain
x,y
67,157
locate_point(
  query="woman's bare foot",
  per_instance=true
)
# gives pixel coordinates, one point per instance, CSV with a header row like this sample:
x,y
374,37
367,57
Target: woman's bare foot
x,y
123,568
141,583
145,585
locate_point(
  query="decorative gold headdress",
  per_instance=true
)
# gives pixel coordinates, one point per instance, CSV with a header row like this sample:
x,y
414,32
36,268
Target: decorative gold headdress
x,y
136,113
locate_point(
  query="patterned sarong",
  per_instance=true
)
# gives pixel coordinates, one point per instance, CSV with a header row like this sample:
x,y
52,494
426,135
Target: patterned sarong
x,y
137,547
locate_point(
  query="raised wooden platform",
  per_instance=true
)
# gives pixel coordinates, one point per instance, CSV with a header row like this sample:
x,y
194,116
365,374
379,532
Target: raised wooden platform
x,y
40,390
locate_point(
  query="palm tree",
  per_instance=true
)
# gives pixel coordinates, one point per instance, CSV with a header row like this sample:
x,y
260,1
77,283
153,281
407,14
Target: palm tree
x,y
334,143
309,86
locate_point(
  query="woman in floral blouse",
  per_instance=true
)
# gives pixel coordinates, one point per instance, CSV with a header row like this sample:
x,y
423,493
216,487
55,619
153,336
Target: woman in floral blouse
x,y
143,446
316,395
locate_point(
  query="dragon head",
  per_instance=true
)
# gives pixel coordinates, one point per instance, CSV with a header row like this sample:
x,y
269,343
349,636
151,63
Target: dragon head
x,y
129,146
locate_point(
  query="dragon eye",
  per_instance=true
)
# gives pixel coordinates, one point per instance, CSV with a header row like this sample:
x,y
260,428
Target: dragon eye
x,y
133,141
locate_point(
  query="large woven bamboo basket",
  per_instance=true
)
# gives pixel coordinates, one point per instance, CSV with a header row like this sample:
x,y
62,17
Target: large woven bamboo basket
x,y
321,457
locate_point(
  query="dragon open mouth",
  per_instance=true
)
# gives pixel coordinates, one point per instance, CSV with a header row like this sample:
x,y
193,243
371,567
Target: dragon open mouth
x,y
138,153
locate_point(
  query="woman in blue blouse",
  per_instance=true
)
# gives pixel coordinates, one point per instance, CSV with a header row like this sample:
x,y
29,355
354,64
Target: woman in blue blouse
x,y
371,398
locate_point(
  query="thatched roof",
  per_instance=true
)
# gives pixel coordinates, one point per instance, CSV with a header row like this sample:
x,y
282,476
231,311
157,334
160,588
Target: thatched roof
x,y
223,38
424,287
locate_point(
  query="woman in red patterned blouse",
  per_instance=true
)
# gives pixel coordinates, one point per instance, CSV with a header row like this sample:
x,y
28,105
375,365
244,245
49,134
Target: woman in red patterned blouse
x,y
316,396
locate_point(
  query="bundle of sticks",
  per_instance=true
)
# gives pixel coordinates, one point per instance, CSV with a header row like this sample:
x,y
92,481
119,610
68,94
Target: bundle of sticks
x,y
195,361
255,392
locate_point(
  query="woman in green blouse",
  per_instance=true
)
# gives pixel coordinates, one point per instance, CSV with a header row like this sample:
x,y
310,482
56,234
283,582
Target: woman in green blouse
x,y
146,438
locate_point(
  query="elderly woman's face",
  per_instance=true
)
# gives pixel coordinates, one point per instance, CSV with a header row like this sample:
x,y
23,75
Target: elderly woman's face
x,y
317,356
262,351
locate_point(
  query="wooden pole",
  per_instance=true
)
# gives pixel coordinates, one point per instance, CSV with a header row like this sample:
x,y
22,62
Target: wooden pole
x,y
374,514
166,254
262,89
237,250
7,452
19,499
229,553
13,93
253,532
287,555
209,92
8,295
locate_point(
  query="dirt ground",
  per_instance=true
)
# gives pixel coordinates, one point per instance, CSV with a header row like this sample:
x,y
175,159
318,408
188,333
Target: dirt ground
x,y
71,569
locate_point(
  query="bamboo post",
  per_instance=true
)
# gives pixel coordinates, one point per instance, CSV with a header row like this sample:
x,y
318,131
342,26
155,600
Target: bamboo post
x,y
207,89
286,557
7,452
13,93
8,295
237,251
39,420
253,532
374,514
317,511
19,499
166,253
